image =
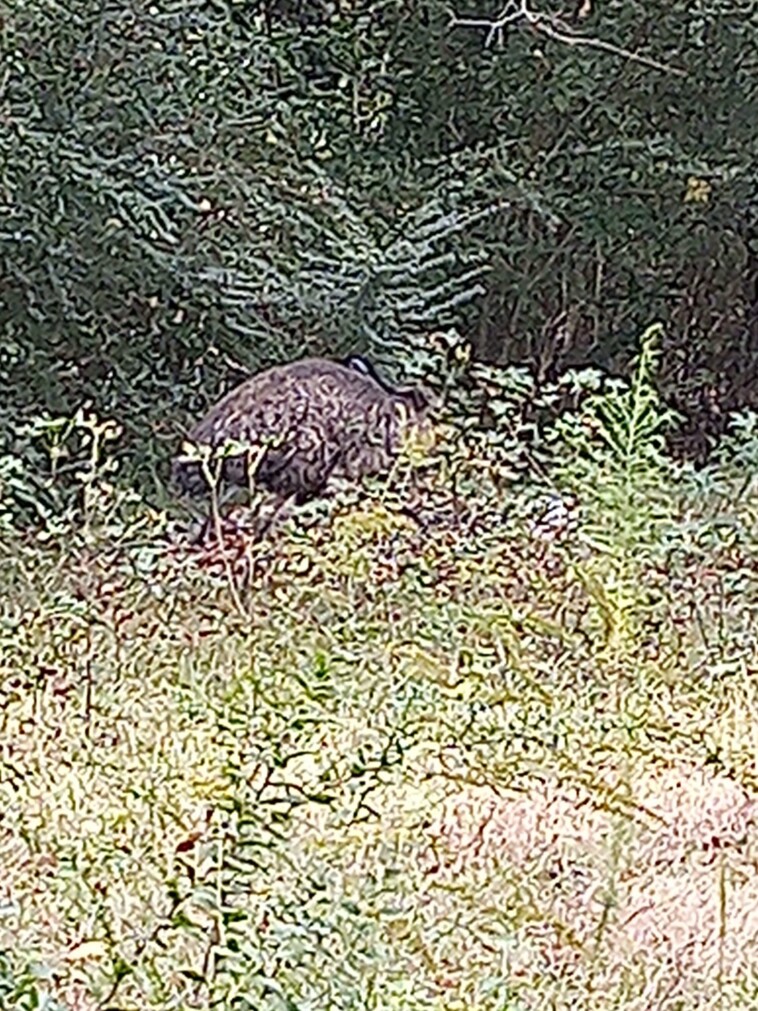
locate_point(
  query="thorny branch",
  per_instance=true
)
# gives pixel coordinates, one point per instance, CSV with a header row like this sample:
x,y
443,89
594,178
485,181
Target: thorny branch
x,y
552,27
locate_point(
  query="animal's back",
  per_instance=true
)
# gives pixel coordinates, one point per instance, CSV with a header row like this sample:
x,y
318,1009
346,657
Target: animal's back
x,y
316,417
263,402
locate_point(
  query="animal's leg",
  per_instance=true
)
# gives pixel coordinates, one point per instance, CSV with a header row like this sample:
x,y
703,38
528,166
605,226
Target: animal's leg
x,y
263,528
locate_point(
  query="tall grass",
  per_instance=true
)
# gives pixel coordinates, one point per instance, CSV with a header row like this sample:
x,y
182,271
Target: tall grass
x,y
454,765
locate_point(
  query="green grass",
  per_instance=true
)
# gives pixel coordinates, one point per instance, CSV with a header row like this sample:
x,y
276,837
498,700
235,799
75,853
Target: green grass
x,y
393,769
370,764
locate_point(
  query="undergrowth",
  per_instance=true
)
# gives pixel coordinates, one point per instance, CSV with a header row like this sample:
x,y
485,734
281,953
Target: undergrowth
x,y
497,752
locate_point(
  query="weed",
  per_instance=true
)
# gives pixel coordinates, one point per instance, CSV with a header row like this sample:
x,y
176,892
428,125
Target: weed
x,y
463,758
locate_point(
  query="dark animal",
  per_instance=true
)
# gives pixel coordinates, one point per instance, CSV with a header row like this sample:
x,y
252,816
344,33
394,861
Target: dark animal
x,y
294,426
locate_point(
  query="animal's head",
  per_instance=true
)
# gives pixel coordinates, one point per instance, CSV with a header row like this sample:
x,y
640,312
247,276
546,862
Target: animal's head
x,y
360,364
194,469
187,476
201,467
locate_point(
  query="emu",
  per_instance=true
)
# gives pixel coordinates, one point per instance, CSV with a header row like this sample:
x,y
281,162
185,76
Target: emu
x,y
294,426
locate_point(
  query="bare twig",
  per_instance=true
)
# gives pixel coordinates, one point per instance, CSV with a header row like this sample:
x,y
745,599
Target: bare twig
x,y
541,23
552,28
510,14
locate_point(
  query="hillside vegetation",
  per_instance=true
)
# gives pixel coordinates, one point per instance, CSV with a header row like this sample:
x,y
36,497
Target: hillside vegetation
x,y
506,759
480,734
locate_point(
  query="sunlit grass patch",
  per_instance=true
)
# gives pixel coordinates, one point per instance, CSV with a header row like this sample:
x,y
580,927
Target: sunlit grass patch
x,y
443,758
467,804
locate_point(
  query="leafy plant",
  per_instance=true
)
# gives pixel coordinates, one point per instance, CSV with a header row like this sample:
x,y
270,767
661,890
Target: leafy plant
x,y
24,989
611,456
62,475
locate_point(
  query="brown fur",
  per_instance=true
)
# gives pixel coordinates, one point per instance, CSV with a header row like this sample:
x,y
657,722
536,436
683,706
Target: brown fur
x,y
303,423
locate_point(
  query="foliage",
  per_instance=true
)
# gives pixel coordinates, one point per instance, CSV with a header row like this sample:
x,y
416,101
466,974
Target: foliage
x,y
476,735
192,191
195,221
25,991
384,761
611,456
63,474
738,450
243,776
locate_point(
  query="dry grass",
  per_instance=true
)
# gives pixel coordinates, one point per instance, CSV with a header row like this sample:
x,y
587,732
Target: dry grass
x,y
396,768
658,873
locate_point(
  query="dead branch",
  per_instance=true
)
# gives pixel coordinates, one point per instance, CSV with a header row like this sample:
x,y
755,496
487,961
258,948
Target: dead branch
x,y
553,28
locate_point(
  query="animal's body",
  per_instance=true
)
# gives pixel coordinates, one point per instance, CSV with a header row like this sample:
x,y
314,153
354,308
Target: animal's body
x,y
301,424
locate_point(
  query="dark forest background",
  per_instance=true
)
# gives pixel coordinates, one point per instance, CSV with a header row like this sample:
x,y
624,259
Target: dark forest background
x,y
190,191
